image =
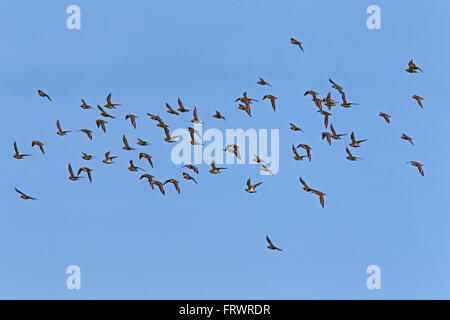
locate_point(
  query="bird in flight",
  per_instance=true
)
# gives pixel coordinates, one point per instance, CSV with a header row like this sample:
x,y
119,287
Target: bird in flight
x,y
386,116
149,178
175,184
418,165
110,105
146,156
257,159
307,148
326,116
87,132
39,144
171,110
192,167
350,156
321,197
132,118
263,82
169,138
246,109
101,123
108,159
214,169
297,43
355,143
84,105
233,148
251,187
327,135
23,195
271,246
418,99
73,177
17,155
142,142
61,132
408,138
160,186
329,102
43,94
181,106
305,186
264,168
86,156
337,87
272,100
195,119
296,155
412,68
126,146
103,113
295,128
88,172
187,176
133,168
218,115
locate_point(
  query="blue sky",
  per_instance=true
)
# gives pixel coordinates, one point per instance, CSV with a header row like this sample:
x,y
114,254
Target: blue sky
x,y
209,242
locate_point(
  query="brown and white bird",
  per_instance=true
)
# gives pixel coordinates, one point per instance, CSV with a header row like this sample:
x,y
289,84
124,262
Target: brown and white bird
x,y
142,142
146,156
175,184
108,159
296,155
257,159
350,156
355,143
326,116
321,197
263,82
418,99
233,148
103,113
418,165
43,94
412,68
17,155
195,119
187,176
171,110
132,117
386,116
181,106
305,186
84,105
192,167
160,186
251,187
23,195
307,148
60,131
88,172
72,177
295,128
246,108
271,246
126,146
327,135
39,144
297,43
265,168
218,115
86,156
149,178
134,168
87,132
272,100
214,169
101,123
110,105
408,138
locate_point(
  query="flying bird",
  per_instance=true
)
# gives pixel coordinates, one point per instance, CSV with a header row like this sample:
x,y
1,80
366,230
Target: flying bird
x,y
84,105
326,116
23,195
251,187
271,246
246,109
272,100
233,148
192,167
418,165
264,168
296,156
187,176
296,42
86,156
101,123
418,99
295,128
171,110
195,119
175,184
133,168
327,135
412,68
168,137
88,172
61,132
146,156
263,82
350,156
108,159
142,142
307,148
218,115
72,177
17,155
257,159
386,116
149,178
43,94
305,186
103,113
181,106
39,144
132,117
408,138
355,143
214,169
87,132
110,105
126,146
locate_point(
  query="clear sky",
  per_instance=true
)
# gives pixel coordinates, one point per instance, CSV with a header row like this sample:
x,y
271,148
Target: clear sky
x,y
209,242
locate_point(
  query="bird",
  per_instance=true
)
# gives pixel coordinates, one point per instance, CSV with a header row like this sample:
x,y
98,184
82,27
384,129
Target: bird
x,y
257,159
88,172
272,100
408,138
110,105
39,144
192,131
88,133
192,167
251,188
86,156
296,156
412,68
337,87
307,148
126,146
72,177
23,195
321,197
193,141
132,117
181,106
108,159
195,119
175,184
346,104
264,168
326,116
149,178
418,165
60,132
245,99
160,186
296,42
84,105
233,148
169,138
146,156
43,94
246,109
263,82
142,142
329,102
218,115
312,93
101,123
103,113
305,186
154,117
355,143
17,155
133,168
171,110
214,169
386,116
271,246
350,156
187,176
327,135
334,135
418,99
295,128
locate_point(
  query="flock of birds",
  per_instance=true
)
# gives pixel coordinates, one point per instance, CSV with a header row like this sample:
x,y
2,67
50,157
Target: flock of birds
x,y
244,104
